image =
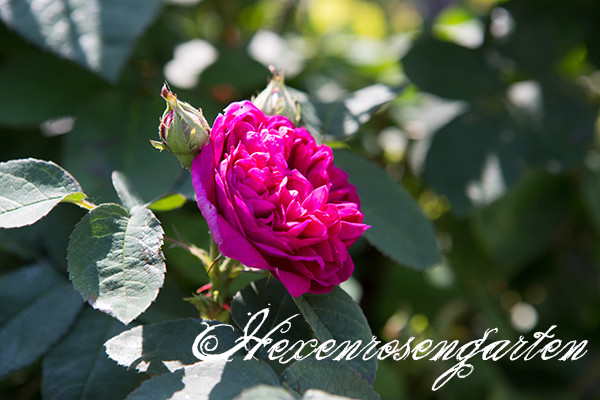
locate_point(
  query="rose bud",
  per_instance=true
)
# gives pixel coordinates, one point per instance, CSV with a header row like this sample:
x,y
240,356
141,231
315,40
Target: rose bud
x,y
183,129
276,99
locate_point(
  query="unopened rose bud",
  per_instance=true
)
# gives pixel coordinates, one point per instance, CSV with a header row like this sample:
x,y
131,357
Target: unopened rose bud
x,y
276,99
182,130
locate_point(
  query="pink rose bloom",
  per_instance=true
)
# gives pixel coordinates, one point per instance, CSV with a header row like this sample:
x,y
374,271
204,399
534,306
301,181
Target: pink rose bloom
x,y
274,200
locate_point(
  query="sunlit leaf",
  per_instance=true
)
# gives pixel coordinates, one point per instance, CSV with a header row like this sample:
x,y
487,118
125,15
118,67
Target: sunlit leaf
x,y
166,346
261,392
168,202
98,36
125,191
218,380
342,118
115,260
31,188
316,394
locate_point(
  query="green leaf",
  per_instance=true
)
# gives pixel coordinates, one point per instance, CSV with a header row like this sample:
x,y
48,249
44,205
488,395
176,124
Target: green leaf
x,y
398,227
37,306
168,202
226,70
30,98
23,243
78,368
165,347
329,376
568,122
309,117
55,232
117,139
98,35
473,159
217,380
315,394
158,145
590,192
533,28
342,118
169,304
456,158
449,70
262,392
129,197
269,293
31,188
521,224
336,316
115,261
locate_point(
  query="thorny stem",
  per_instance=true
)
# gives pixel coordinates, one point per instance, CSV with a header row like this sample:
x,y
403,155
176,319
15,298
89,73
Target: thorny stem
x,y
219,275
214,249
212,299
190,248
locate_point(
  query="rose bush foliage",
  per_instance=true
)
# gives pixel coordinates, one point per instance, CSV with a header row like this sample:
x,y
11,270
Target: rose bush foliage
x,y
274,200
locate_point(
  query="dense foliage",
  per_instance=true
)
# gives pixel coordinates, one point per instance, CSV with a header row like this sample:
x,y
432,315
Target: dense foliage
x,y
468,127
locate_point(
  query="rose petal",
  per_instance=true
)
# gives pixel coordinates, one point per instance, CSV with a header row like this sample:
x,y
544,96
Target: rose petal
x,y
274,200
234,245
295,284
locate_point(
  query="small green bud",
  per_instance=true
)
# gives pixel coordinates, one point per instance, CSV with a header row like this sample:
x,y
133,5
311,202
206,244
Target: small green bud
x,y
183,130
276,99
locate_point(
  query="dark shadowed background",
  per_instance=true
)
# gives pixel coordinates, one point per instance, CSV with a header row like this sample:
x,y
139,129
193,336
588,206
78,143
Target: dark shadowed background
x,y
494,133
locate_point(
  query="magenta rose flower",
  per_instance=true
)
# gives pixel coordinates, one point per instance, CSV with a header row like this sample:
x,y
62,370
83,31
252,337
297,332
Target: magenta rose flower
x,y
274,200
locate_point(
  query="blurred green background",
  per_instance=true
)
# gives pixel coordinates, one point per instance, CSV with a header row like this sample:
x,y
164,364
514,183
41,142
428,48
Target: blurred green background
x,y
494,133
